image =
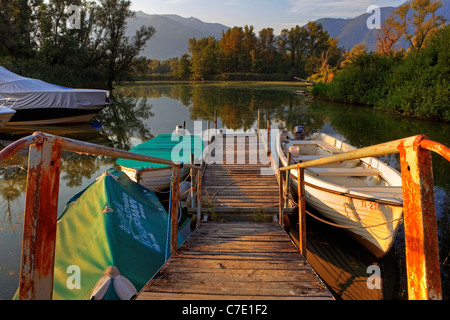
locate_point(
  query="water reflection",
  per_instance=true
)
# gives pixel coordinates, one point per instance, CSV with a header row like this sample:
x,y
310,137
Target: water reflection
x,y
124,120
145,110
115,126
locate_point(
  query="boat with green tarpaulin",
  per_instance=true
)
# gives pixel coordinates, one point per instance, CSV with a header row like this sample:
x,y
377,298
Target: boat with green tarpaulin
x,y
111,239
174,147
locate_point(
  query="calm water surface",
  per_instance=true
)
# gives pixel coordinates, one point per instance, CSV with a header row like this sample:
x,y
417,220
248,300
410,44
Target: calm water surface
x,y
146,110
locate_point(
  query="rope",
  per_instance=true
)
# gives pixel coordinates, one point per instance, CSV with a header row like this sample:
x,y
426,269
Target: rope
x,y
338,225
215,194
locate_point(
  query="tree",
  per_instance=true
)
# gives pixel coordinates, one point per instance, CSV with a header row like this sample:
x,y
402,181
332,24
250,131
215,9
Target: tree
x,y
317,43
119,51
184,67
18,27
350,56
420,25
204,57
266,49
388,36
231,48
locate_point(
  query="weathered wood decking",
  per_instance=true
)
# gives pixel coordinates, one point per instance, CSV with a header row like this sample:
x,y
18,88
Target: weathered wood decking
x,y
236,261
239,181
240,259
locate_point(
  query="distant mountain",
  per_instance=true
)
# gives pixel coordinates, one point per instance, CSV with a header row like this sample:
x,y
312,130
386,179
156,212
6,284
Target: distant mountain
x,y
354,30
172,33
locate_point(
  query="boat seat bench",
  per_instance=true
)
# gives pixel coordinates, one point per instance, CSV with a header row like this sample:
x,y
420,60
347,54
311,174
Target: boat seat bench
x,y
360,172
304,158
323,145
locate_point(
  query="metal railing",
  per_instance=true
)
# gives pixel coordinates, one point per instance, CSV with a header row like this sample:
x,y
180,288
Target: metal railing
x,y
41,203
421,237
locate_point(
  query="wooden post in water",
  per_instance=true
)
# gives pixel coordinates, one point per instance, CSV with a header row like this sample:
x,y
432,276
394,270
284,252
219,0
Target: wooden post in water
x,y
207,133
258,121
199,196
174,208
192,173
301,210
281,198
268,138
39,229
421,237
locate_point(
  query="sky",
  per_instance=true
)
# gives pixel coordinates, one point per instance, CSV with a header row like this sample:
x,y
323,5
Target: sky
x,y
276,14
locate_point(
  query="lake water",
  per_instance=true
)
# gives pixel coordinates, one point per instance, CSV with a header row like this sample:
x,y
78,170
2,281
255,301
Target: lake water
x,y
146,110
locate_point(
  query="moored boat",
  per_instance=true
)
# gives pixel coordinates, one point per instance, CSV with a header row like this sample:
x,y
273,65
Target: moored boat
x,y
5,114
176,147
111,238
40,103
364,196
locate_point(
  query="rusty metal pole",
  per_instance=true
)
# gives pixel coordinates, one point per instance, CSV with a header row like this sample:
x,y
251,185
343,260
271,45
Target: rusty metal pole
x,y
421,238
39,230
199,196
280,197
288,181
301,210
174,208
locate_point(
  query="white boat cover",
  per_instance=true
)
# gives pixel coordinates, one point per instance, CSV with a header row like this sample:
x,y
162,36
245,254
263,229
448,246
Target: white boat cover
x,y
32,93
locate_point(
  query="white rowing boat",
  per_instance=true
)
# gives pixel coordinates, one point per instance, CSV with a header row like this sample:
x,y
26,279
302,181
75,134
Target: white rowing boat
x,y
364,196
175,147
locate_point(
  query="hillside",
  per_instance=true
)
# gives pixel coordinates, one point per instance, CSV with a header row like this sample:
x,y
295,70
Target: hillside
x,y
172,33
354,31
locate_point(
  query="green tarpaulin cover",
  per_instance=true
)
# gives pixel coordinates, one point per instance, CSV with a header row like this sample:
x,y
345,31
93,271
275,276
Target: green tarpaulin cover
x,y
166,146
113,222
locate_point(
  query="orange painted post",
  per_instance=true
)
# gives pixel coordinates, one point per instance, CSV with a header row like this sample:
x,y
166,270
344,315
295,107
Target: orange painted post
x,y
39,230
174,208
281,197
288,181
421,238
301,210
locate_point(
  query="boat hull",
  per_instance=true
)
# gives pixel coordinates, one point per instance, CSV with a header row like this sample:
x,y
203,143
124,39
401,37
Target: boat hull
x,y
5,116
154,179
355,215
51,116
372,222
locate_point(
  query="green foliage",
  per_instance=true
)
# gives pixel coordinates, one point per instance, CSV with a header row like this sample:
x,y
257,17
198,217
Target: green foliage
x,y
38,41
241,55
416,85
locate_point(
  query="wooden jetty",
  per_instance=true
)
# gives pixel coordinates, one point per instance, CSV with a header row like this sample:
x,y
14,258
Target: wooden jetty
x,y
236,261
231,242
238,181
238,258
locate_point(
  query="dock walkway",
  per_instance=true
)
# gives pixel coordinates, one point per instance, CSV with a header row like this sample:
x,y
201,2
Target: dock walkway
x,y
243,258
238,182
236,261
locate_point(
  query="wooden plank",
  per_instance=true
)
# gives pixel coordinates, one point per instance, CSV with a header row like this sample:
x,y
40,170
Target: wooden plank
x,y
344,172
236,261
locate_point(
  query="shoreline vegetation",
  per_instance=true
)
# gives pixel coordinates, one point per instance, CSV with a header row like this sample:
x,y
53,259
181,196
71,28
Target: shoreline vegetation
x,y
40,43
416,84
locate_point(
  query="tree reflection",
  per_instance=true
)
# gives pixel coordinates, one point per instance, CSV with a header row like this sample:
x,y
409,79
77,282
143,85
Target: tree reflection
x,y
75,167
124,120
12,185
